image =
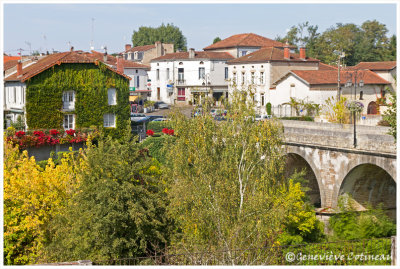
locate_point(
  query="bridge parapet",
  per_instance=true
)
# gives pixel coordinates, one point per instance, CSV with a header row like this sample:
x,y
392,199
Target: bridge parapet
x,y
369,138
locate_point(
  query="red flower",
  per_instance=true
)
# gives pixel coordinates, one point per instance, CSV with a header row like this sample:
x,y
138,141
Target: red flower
x,y
38,133
70,132
171,132
54,132
20,134
165,131
150,132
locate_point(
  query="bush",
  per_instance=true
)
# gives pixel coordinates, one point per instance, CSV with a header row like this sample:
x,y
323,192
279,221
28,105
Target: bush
x,y
301,118
383,123
155,145
157,126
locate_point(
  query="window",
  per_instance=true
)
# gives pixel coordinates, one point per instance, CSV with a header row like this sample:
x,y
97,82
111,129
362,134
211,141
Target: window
x,y
262,78
22,95
181,94
234,78
226,72
9,95
14,95
252,77
140,55
167,73
69,122
158,74
136,71
69,100
262,99
244,52
109,120
137,81
181,76
112,97
202,72
243,77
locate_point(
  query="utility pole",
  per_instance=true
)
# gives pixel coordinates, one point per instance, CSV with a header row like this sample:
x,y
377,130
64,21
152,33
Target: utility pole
x,y
340,55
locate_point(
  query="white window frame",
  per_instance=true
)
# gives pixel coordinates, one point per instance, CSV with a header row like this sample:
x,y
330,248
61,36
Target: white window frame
x,y
262,78
70,121
243,77
112,96
157,74
109,120
167,72
68,99
202,72
253,77
14,95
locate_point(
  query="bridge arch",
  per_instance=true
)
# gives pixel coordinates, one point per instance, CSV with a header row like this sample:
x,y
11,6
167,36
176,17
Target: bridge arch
x,y
297,158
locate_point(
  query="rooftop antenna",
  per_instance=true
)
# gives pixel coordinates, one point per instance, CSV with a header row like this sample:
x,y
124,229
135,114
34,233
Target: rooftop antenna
x,y
69,45
20,53
91,41
30,48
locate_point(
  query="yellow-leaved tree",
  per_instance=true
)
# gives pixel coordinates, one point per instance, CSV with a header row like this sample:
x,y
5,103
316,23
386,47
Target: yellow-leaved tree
x,y
32,197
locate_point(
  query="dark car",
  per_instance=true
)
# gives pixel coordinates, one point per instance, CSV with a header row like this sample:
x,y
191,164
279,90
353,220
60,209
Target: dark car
x,y
153,117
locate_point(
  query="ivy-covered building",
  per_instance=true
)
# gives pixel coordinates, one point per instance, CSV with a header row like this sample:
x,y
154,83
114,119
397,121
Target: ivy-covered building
x,y
71,90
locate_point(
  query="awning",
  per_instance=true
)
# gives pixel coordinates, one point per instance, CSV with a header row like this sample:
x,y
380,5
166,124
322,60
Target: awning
x,y
133,98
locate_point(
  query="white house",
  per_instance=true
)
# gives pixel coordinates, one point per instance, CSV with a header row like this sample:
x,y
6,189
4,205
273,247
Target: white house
x,y
187,77
318,85
263,67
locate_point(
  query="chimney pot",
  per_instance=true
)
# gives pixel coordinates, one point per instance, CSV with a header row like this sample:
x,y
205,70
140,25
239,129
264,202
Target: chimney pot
x,y
286,51
191,53
120,65
72,48
128,47
105,58
19,69
303,53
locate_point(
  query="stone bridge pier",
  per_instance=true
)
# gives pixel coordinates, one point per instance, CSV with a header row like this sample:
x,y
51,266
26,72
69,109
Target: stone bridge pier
x,y
335,168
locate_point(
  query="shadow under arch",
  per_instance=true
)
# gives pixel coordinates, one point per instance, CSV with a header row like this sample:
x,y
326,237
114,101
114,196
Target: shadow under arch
x,y
370,184
296,162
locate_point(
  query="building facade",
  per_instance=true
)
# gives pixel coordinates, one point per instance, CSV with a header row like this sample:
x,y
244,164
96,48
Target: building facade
x,y
144,54
188,77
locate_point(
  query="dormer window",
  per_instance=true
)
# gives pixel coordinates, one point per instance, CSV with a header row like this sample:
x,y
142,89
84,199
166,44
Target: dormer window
x,y
201,62
68,99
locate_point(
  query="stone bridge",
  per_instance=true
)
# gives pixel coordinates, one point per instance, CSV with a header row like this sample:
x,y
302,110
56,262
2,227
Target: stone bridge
x,y
334,167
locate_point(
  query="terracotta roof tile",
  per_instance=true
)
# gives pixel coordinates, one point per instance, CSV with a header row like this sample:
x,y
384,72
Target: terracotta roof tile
x,y
323,66
246,40
10,64
388,65
198,55
269,54
319,77
112,60
57,58
7,58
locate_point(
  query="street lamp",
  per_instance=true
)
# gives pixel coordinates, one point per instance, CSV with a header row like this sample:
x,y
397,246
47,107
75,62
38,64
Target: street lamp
x,y
206,82
355,78
340,54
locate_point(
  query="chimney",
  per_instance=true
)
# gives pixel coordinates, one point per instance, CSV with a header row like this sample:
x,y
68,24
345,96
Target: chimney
x,y
128,47
191,53
302,53
19,69
158,48
105,58
286,51
72,48
120,64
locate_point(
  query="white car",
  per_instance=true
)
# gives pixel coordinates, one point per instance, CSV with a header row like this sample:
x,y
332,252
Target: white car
x,y
138,117
161,119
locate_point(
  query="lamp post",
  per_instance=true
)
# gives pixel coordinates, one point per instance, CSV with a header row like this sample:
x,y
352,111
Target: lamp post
x,y
357,77
206,82
340,55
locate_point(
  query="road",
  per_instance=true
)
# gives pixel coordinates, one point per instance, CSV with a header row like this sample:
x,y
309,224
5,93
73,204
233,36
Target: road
x,y
185,110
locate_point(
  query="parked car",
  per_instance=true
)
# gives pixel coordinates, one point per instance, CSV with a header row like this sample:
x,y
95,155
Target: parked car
x,y
263,117
139,117
161,119
218,112
153,117
161,105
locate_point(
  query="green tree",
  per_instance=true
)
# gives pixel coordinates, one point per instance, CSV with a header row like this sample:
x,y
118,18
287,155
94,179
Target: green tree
x,y
164,33
227,188
217,39
118,210
391,114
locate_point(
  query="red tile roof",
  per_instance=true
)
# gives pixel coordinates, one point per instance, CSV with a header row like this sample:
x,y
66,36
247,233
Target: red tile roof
x,y
112,60
323,66
197,55
320,77
376,66
272,54
7,58
141,48
58,58
10,64
246,40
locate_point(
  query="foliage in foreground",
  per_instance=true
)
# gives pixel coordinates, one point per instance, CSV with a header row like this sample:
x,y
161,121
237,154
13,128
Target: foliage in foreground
x,y
351,224
33,196
227,186
391,114
118,210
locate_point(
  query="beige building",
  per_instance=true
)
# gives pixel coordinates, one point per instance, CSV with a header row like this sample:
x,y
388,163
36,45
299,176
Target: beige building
x,y
144,54
386,70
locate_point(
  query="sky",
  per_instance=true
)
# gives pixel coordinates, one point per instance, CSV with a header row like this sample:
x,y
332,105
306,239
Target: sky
x,y
57,26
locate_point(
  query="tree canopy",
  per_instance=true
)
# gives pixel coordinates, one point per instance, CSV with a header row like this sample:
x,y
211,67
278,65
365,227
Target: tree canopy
x,y
217,39
164,33
368,42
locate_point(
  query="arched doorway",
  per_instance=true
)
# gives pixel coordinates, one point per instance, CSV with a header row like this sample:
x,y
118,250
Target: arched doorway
x,y
369,184
372,108
296,163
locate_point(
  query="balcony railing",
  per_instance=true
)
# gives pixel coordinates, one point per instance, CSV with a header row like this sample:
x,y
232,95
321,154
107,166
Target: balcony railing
x,y
181,82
